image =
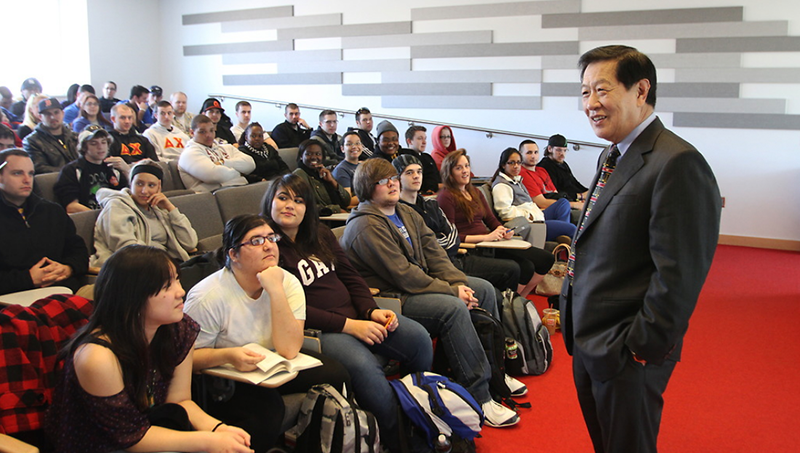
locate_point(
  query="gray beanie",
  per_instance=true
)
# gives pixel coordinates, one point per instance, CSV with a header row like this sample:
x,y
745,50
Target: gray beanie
x,y
404,160
386,126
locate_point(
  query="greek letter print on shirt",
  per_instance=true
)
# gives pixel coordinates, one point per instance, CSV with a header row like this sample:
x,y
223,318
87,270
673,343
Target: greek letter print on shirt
x,y
134,150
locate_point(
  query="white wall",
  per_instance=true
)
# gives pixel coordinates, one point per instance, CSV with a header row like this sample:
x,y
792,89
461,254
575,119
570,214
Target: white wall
x,y
125,44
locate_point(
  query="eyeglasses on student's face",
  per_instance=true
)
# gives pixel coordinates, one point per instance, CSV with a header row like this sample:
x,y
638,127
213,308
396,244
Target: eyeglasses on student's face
x,y
385,181
256,241
513,162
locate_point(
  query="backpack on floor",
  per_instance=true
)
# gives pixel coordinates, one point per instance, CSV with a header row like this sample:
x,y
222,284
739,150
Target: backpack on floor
x,y
330,423
490,332
522,323
439,407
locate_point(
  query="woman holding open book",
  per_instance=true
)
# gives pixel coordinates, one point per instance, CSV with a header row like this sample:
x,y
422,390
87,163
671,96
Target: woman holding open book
x,y
341,306
252,300
126,382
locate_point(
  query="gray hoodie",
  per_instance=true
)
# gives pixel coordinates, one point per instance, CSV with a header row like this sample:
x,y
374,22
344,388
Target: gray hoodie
x,y
388,262
122,223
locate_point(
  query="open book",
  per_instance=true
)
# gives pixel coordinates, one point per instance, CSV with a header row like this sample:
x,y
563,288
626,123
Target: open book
x,y
273,371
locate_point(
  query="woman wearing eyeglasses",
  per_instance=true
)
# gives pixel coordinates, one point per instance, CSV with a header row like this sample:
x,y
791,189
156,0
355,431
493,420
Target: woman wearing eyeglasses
x,y
511,198
252,300
91,115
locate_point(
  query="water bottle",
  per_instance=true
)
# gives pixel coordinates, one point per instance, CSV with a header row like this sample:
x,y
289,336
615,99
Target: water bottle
x,y
511,349
442,444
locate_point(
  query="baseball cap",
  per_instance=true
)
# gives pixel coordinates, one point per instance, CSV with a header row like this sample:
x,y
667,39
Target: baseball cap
x,y
30,84
48,104
558,141
211,103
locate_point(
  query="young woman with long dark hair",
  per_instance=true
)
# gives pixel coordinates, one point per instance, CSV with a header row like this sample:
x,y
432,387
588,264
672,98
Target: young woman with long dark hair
x,y
129,369
339,304
464,205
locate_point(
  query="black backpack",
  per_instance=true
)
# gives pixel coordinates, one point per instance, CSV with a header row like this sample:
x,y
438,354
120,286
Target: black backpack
x,y
492,336
521,322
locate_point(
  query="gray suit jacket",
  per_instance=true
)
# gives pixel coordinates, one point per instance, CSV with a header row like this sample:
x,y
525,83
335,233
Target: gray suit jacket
x,y
643,255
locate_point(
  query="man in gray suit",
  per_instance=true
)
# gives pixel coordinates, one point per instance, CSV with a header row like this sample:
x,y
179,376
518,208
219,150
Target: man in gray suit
x,y
643,248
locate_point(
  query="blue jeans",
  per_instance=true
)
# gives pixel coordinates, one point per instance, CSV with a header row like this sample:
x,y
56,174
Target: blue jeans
x,y
557,220
447,317
410,344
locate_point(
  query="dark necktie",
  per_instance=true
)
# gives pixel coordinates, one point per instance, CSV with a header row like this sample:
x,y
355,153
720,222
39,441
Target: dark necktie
x,y
605,172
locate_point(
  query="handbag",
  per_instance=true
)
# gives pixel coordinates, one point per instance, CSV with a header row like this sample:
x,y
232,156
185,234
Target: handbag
x,y
554,280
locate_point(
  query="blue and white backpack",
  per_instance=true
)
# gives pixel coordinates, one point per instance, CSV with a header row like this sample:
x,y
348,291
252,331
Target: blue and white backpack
x,y
438,406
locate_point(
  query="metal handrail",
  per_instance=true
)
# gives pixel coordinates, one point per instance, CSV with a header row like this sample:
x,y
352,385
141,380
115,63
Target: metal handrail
x,y
576,144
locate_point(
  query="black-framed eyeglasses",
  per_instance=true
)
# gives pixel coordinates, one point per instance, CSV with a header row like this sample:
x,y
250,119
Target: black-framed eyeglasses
x,y
513,162
385,181
256,241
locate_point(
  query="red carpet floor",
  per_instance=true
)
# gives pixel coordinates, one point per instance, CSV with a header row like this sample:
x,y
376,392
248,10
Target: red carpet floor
x,y
737,388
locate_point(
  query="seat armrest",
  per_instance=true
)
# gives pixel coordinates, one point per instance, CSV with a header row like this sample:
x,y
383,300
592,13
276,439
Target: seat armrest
x,y
9,444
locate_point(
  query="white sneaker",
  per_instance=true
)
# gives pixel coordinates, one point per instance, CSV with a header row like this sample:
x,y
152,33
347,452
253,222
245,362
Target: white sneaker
x,y
498,416
517,387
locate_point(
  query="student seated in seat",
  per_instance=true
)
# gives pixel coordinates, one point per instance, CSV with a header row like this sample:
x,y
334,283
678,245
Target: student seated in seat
x,y
126,381
252,300
37,238
143,215
390,246
511,198
269,164
501,273
339,304
468,210
79,180
206,166
329,194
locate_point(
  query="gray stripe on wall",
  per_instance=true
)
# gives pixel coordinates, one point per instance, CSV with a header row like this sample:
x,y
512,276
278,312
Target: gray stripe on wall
x,y
236,47
495,10
668,60
698,90
706,105
662,16
348,66
665,90
335,31
696,60
736,121
464,102
560,61
296,56
240,14
739,75
754,44
672,31
418,39
282,22
329,78
417,90
496,50
489,76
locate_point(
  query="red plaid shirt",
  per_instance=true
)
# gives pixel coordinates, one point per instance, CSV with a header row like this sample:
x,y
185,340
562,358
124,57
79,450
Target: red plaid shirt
x,y
30,338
